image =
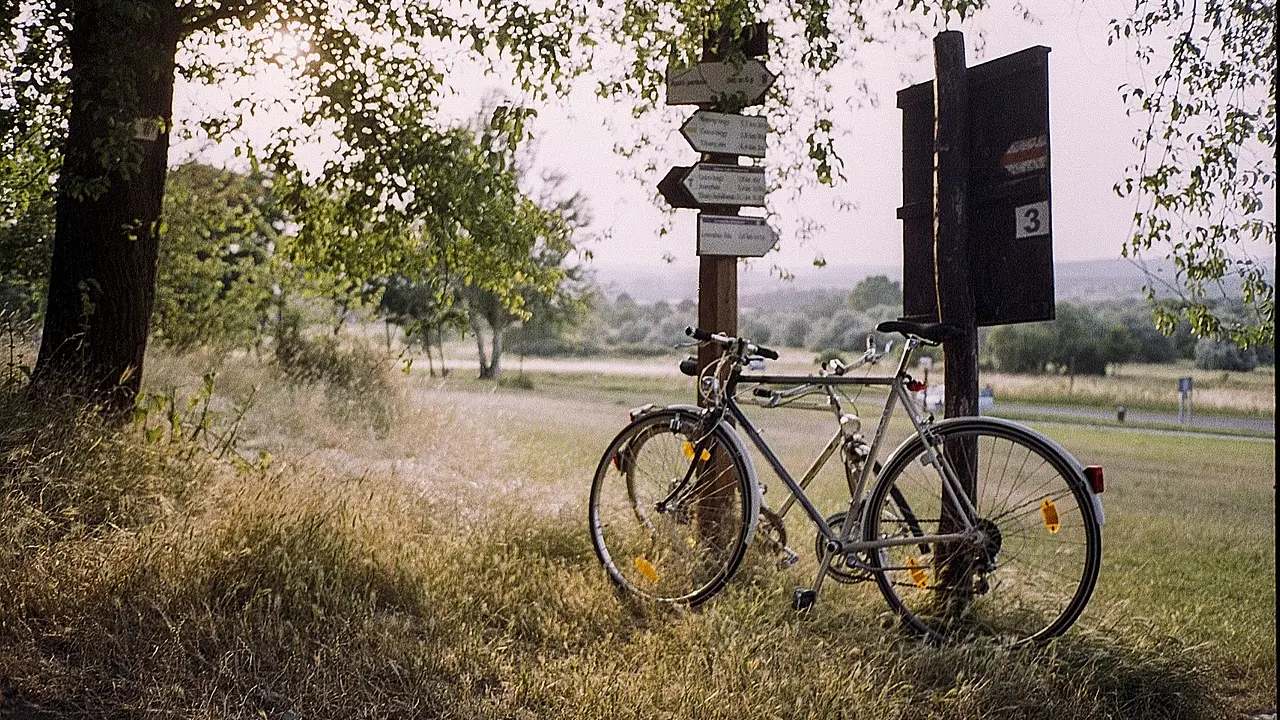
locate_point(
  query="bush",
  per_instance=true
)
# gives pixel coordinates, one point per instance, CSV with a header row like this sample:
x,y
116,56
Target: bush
x,y
827,356
357,386
519,381
1213,355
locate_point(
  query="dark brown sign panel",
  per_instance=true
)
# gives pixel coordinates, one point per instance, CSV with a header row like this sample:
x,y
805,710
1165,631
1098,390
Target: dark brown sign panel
x,y
1010,231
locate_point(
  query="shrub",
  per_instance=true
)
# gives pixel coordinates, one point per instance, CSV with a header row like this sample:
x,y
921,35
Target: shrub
x,y
1214,355
519,381
357,386
828,355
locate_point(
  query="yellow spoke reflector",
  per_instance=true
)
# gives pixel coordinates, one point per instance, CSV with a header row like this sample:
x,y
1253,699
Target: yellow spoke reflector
x,y
917,573
688,451
1049,512
647,569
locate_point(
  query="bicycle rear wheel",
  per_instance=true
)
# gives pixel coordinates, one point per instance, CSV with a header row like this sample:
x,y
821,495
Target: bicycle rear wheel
x,y
685,549
1030,577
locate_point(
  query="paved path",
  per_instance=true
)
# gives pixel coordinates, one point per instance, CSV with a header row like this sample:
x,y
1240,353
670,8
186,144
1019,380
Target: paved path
x,y
1139,417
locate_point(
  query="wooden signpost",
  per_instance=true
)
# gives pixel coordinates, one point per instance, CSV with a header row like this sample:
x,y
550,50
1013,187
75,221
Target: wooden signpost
x,y
977,238
728,79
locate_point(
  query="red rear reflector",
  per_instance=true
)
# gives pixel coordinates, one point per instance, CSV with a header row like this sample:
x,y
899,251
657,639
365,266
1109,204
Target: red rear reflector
x,y
1093,474
916,386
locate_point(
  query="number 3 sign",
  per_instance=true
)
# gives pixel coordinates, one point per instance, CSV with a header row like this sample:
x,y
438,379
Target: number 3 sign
x,y
1032,220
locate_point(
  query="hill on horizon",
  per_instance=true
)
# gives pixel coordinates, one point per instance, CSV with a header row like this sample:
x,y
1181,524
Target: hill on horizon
x,y
1079,281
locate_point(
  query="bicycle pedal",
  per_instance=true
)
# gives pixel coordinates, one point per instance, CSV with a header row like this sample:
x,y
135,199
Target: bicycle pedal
x,y
788,558
803,598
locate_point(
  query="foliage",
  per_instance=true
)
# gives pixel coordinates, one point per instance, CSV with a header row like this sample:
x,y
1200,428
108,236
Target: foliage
x,y
27,167
875,290
1207,173
1219,355
355,378
395,188
215,286
1075,343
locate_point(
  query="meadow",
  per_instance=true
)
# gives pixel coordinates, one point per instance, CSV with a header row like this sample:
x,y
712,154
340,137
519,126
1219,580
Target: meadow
x,y
422,552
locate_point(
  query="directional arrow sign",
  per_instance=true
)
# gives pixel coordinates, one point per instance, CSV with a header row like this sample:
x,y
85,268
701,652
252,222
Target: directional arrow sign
x,y
673,190
709,82
712,184
734,235
713,132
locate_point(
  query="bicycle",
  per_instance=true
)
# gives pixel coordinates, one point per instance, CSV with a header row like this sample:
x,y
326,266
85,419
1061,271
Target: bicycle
x,y
972,525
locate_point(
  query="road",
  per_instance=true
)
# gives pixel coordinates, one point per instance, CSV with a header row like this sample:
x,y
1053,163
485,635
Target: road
x,y
1199,422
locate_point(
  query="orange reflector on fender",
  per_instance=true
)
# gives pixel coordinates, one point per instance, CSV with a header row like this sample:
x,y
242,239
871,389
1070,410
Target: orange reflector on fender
x,y
688,452
1093,474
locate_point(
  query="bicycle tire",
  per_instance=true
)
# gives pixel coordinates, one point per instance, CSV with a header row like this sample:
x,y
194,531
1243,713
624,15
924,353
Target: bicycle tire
x,y
1030,579
686,552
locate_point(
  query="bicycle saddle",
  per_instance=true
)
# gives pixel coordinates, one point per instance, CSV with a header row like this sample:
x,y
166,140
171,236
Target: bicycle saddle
x,y
929,332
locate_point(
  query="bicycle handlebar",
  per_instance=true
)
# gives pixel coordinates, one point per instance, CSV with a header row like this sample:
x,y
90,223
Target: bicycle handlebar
x,y
752,349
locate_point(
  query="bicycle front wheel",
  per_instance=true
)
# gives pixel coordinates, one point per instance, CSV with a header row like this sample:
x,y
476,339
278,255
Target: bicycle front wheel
x,y
1028,578
672,508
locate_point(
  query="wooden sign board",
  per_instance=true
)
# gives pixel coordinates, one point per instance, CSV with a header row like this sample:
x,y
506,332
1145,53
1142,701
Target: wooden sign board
x,y
739,84
734,235
1010,219
716,184
726,133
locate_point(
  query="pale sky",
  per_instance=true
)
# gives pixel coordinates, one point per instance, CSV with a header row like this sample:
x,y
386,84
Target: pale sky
x,y
1091,141
1090,138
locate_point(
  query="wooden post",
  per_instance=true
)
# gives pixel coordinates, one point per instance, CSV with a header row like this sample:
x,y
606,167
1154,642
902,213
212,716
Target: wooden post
x,y
954,280
717,312
951,223
717,274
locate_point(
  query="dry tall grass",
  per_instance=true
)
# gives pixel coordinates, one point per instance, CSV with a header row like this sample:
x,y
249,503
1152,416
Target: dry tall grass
x,y
440,570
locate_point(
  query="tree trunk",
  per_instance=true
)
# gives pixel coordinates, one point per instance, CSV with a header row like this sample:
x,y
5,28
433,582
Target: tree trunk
x,y
495,357
499,320
106,242
485,368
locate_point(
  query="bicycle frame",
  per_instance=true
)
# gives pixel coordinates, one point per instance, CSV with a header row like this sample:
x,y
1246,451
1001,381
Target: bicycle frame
x,y
843,543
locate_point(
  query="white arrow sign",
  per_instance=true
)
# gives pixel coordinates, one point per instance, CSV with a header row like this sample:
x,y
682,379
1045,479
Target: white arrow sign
x,y
710,82
711,184
734,235
713,132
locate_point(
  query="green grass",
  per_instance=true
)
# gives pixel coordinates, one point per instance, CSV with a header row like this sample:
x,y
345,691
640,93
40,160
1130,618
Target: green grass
x,y
443,569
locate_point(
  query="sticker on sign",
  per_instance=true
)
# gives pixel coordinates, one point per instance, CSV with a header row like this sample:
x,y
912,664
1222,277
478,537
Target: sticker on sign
x,y
1031,220
734,235
1024,156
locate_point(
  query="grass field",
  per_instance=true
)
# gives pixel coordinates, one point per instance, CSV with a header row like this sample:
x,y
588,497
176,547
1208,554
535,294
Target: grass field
x,y
1136,386
441,568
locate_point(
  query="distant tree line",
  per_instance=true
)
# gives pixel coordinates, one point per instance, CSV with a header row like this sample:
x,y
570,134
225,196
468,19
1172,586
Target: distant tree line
x,y
1084,339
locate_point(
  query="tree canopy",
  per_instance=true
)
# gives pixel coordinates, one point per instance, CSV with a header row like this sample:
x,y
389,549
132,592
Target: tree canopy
x,y
379,183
